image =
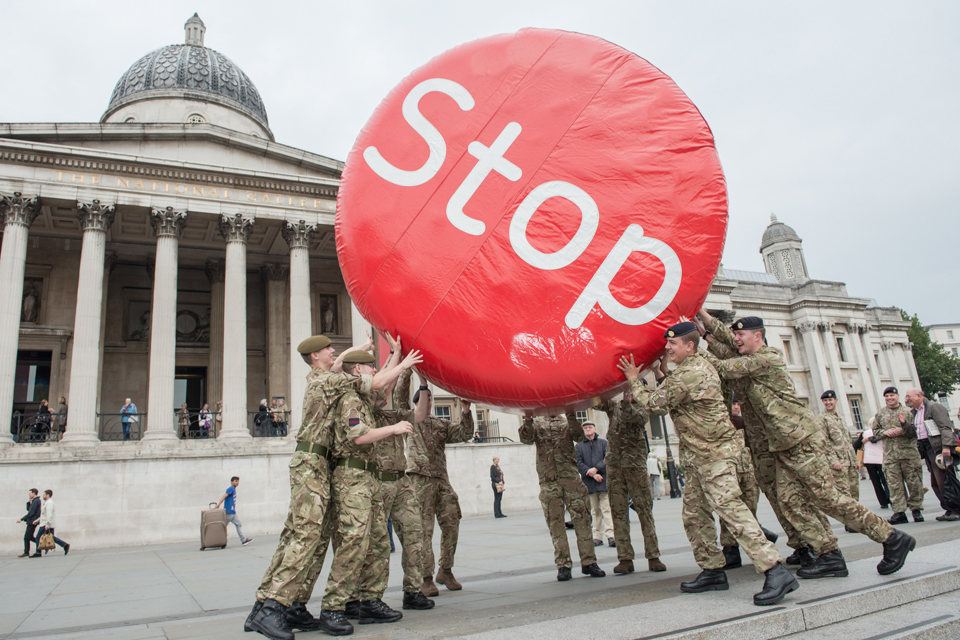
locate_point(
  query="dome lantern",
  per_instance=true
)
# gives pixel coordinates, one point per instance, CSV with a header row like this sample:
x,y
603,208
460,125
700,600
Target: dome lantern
x,y
782,253
194,29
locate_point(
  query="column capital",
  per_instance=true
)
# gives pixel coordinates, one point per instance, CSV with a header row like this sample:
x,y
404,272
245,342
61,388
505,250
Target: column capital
x,y
276,272
216,270
825,326
95,216
298,235
167,222
805,327
235,228
19,210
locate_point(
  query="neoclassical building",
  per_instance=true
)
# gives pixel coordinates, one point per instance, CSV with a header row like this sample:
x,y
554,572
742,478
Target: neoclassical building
x,y
137,248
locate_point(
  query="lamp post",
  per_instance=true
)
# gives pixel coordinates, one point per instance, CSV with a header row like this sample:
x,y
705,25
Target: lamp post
x,y
671,467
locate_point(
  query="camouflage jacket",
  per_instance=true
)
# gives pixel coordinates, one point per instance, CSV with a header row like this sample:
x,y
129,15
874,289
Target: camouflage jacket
x,y
837,439
770,391
390,451
324,391
353,417
427,454
902,447
626,445
755,436
555,438
691,395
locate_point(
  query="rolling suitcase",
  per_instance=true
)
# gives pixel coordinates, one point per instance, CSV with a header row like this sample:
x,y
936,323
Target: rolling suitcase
x,y
213,528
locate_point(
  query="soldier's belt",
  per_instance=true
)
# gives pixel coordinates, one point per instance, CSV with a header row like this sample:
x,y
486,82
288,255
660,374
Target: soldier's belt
x,y
391,476
310,447
357,463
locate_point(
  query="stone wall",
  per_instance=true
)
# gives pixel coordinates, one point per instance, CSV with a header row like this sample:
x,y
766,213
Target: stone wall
x,y
128,494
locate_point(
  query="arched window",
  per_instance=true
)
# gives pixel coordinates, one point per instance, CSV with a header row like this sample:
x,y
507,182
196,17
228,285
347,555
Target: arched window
x,y
196,119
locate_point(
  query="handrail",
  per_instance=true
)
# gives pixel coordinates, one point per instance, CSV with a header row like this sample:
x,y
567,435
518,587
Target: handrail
x,y
121,426
268,424
189,426
35,428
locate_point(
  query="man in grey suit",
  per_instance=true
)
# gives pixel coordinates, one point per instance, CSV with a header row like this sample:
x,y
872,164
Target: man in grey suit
x,y
934,436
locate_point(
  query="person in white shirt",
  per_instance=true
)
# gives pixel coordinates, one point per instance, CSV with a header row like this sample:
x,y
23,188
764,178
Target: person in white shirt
x,y
873,462
46,523
653,468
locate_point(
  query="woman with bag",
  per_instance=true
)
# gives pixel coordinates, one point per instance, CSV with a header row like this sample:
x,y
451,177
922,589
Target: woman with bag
x,y
206,421
46,539
496,480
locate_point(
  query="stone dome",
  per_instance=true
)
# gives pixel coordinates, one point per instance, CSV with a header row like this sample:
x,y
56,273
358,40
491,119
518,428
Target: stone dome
x,y
190,71
777,232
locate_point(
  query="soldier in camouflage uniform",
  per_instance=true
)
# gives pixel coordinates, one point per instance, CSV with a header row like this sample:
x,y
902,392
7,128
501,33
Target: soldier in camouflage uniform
x,y
802,470
361,560
750,493
691,394
721,344
901,460
627,477
561,487
427,473
842,460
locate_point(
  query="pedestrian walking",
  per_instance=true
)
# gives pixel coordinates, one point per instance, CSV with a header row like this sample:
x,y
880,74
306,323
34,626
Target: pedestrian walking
x,y
33,514
653,468
935,437
496,480
46,524
229,502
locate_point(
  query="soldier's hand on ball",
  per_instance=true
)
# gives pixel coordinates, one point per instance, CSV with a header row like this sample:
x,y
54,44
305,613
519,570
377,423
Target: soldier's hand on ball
x,y
402,427
629,367
464,405
413,358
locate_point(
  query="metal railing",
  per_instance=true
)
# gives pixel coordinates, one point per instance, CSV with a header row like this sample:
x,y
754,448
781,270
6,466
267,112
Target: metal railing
x,y
191,427
482,440
488,429
120,426
268,424
34,428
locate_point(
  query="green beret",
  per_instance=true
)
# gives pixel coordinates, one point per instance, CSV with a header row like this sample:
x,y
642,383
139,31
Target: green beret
x,y
359,357
313,344
828,394
750,322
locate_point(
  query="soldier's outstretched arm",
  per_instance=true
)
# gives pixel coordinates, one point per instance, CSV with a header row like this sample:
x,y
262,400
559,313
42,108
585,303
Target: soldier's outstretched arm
x,y
338,363
463,430
385,377
670,392
401,392
574,427
528,431
742,366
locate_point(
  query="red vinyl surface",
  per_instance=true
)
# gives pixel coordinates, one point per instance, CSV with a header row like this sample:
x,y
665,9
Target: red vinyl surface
x,y
525,209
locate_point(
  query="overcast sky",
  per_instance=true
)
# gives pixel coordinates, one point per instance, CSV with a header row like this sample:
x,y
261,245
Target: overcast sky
x,y
843,118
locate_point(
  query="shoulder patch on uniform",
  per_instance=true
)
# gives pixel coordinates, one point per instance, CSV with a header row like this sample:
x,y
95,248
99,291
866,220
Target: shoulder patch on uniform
x,y
739,364
354,422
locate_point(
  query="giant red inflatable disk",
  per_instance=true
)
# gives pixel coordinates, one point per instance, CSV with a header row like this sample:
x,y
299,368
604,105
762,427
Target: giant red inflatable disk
x,y
528,207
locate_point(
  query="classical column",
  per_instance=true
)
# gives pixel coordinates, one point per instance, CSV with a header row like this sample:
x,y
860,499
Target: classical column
x,y
275,277
856,332
235,230
109,261
811,345
830,340
17,213
95,219
874,367
168,225
298,237
215,273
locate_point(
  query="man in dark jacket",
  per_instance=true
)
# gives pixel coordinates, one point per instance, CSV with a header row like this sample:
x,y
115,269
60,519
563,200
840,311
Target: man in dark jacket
x,y
33,513
590,462
934,436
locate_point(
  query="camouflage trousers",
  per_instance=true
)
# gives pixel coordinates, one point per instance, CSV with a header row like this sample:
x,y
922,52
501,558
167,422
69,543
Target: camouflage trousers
x,y
766,468
569,494
713,488
848,481
400,503
439,501
905,479
806,484
623,483
361,562
302,541
749,493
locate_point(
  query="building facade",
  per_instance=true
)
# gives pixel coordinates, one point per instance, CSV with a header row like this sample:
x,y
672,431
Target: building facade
x,y
949,336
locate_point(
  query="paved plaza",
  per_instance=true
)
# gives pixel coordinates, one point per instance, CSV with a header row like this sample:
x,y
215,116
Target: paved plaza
x,y
175,591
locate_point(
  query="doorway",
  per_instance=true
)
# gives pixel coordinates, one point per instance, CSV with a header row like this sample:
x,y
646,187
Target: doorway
x,y
190,386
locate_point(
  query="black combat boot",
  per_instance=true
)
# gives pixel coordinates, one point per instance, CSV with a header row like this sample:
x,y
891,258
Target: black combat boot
x,y
829,565
917,515
253,614
777,583
807,557
898,517
770,535
299,619
334,623
593,570
708,580
376,611
271,621
352,609
416,600
793,558
563,574
895,551
732,557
